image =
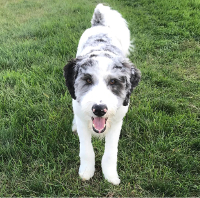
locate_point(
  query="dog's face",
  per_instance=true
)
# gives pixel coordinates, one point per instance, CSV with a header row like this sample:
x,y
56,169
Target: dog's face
x,y
101,84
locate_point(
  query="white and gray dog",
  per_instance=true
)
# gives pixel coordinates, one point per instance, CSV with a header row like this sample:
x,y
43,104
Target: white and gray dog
x,y
100,80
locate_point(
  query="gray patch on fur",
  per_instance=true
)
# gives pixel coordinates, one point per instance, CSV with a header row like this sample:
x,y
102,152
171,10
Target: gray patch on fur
x,y
97,19
130,76
83,65
119,88
101,42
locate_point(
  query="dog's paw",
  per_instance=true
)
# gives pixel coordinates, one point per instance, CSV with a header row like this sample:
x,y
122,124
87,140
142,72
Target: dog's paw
x,y
109,169
113,179
86,172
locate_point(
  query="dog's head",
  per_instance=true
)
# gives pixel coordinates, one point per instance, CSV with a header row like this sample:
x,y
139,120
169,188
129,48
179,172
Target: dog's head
x,y
101,84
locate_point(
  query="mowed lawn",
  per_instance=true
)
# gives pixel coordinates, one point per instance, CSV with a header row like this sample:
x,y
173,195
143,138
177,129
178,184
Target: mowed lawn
x,y
159,147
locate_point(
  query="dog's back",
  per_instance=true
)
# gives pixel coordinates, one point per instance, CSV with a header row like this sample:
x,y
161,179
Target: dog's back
x,y
108,22
104,16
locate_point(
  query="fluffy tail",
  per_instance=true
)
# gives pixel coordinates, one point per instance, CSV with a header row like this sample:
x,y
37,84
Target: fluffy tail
x,y
103,15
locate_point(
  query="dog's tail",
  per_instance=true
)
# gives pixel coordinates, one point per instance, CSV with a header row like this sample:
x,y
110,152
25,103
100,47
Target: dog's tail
x,y
104,16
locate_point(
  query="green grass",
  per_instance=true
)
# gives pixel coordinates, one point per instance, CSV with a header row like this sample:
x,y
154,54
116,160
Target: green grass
x,y
159,148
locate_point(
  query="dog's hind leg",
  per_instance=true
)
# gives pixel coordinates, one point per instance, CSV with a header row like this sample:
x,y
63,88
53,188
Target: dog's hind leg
x,y
74,127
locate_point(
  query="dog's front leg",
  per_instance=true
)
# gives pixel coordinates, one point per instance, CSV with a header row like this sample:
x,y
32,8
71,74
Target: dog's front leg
x,y
109,160
87,156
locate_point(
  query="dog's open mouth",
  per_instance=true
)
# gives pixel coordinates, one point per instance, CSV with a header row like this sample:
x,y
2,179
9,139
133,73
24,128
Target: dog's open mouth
x,y
99,124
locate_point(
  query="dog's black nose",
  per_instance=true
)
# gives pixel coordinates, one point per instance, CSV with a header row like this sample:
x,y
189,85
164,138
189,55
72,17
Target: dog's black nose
x,y
99,110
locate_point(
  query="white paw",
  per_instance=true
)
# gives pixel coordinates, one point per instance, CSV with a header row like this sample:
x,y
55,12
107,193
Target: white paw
x,y
109,168
86,172
113,179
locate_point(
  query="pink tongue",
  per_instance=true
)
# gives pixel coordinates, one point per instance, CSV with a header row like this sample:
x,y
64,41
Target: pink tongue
x,y
99,123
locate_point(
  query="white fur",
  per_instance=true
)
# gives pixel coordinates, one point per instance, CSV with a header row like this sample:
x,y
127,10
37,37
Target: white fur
x,y
115,27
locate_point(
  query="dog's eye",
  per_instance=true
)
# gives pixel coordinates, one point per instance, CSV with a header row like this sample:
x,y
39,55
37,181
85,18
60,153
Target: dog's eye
x,y
89,81
112,81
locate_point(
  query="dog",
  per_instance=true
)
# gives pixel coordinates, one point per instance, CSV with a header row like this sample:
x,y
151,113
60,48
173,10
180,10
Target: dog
x,y
100,81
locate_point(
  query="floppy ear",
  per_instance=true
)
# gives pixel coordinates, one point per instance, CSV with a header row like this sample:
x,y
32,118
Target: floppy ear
x,y
69,74
134,80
